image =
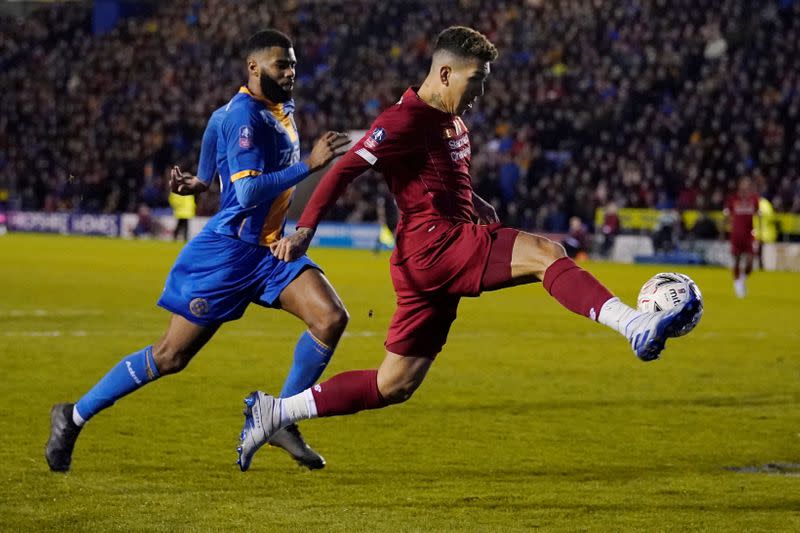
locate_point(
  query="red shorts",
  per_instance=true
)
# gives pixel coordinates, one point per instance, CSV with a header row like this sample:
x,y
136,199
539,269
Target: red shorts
x,y
742,244
462,261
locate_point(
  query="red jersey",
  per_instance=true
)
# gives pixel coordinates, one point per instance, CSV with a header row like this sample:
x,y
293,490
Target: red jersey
x,y
424,156
741,209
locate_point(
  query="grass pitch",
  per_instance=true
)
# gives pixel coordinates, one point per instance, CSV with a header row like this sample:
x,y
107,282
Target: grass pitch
x,y
531,418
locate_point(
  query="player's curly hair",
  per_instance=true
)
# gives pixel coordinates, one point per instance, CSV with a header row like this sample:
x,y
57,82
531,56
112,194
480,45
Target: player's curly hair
x,y
466,42
266,39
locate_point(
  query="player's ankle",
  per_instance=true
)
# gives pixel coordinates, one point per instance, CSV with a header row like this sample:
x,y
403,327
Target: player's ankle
x,y
77,419
617,315
298,407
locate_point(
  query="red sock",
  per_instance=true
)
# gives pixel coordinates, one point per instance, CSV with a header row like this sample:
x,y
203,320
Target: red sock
x,y
348,393
575,289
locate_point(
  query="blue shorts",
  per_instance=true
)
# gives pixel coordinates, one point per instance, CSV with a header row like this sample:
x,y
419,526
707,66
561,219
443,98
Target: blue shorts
x,y
216,277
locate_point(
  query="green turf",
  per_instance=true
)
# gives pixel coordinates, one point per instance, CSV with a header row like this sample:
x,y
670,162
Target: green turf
x,y
531,418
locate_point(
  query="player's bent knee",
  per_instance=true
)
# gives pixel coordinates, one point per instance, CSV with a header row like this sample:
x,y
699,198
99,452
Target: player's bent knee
x,y
396,395
331,325
559,251
169,359
399,391
338,320
551,250
535,255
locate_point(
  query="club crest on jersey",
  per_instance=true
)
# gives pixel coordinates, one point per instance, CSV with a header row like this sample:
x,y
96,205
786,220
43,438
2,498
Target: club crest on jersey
x,y
375,138
246,137
448,133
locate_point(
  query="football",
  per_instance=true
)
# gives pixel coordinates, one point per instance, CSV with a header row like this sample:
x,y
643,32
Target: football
x,y
667,290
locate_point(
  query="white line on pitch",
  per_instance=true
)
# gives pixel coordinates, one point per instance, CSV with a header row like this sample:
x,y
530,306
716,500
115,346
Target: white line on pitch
x,y
26,313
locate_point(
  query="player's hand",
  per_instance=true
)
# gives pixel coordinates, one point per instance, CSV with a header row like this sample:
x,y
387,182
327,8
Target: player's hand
x,y
184,183
294,246
328,146
485,210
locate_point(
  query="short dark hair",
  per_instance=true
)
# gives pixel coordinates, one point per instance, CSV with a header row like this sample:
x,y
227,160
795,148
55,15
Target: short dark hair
x,y
466,42
266,39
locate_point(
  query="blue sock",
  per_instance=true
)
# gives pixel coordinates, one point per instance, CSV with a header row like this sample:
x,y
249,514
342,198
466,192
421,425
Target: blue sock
x,y
132,372
310,359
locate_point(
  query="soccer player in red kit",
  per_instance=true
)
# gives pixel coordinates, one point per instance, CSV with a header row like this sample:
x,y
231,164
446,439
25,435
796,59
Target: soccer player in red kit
x,y
740,208
449,245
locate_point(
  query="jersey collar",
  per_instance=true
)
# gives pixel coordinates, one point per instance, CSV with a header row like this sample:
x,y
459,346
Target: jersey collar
x,y
284,108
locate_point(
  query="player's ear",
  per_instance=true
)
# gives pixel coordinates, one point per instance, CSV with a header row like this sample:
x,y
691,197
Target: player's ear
x,y
252,67
444,75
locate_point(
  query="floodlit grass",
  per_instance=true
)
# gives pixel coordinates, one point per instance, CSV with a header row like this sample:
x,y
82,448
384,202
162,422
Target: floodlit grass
x,y
531,418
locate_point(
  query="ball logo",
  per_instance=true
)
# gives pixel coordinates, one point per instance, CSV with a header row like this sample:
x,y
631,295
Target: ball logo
x,y
198,306
246,137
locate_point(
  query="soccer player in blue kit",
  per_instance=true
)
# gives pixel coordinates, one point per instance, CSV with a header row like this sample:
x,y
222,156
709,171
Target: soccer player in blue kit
x,y
253,144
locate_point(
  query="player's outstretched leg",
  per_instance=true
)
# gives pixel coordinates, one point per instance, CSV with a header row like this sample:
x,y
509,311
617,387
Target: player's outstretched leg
x,y
170,355
343,394
311,298
536,258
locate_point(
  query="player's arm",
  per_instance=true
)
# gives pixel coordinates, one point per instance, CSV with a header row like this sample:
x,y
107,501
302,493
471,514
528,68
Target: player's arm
x,y
258,188
247,140
390,139
329,189
247,159
186,184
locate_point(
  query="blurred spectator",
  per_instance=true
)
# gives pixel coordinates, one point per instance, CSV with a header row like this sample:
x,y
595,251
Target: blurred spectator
x,y
146,225
705,227
610,228
641,103
668,231
576,243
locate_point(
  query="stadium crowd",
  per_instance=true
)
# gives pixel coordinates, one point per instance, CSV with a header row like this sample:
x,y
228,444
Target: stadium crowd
x,y
639,103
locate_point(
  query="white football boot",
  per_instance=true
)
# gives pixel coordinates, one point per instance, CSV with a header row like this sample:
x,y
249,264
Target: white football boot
x,y
262,420
648,332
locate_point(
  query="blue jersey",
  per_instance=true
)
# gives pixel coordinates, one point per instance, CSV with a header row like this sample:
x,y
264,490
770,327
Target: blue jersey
x,y
254,146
